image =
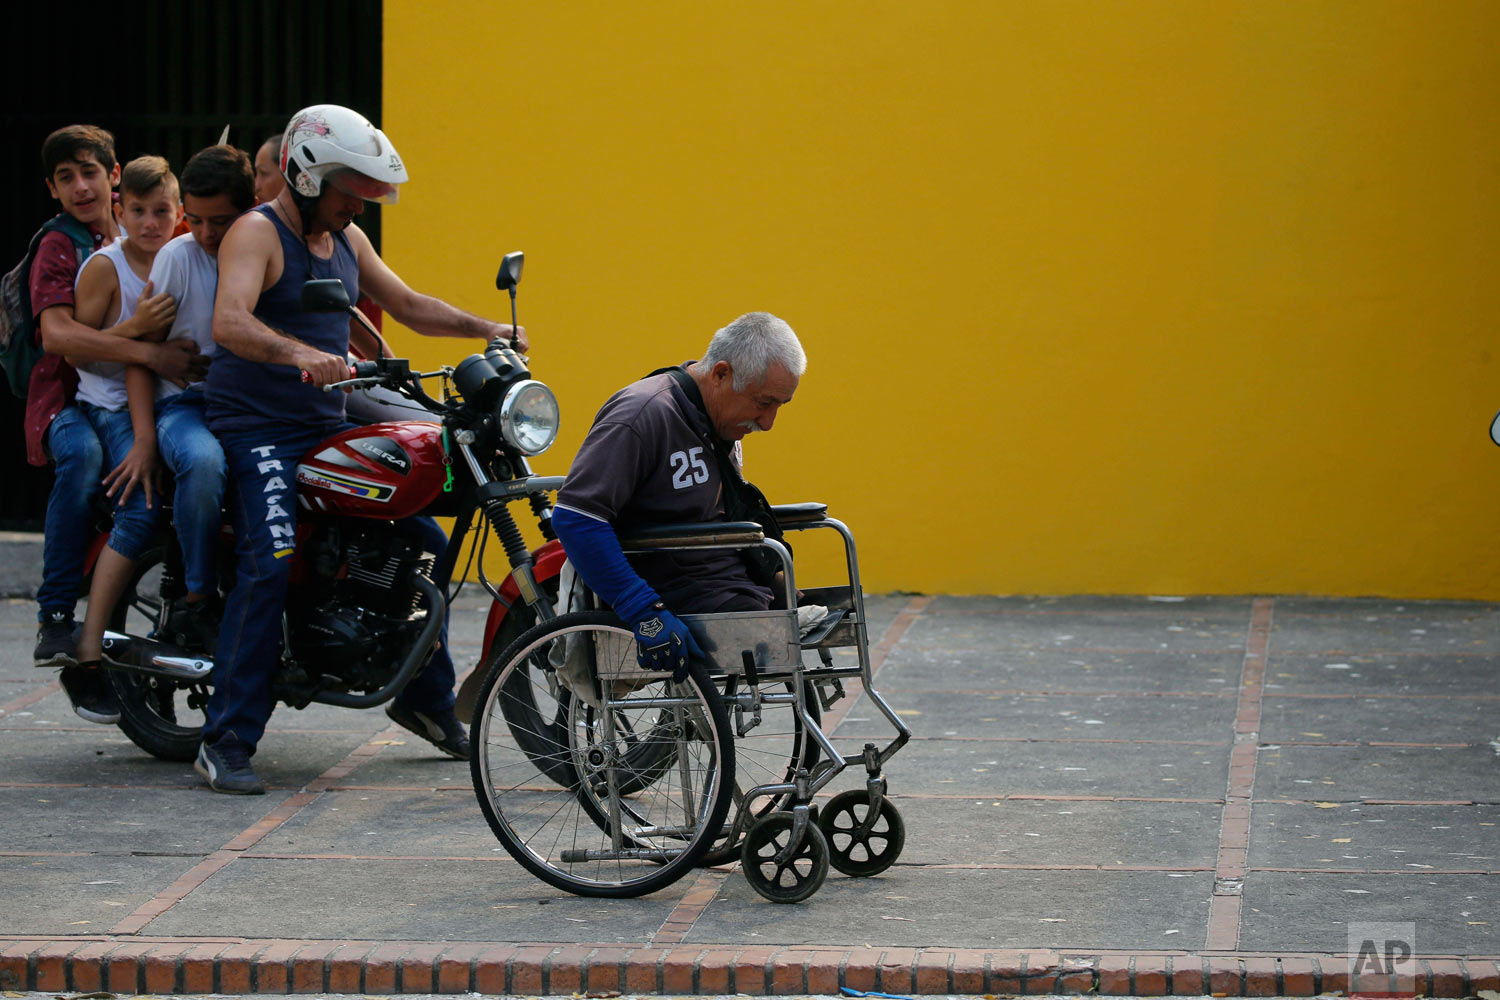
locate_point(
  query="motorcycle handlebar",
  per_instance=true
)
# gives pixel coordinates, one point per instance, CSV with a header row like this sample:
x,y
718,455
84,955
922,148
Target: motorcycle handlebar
x,y
395,372
354,372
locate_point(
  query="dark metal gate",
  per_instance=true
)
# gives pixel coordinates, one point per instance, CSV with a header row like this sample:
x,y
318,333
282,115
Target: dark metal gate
x,y
165,76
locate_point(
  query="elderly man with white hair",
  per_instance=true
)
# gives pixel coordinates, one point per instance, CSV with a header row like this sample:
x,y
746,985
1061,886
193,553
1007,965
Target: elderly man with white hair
x,y
656,455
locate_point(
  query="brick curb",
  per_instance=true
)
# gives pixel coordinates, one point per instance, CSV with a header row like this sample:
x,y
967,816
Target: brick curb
x,y
178,965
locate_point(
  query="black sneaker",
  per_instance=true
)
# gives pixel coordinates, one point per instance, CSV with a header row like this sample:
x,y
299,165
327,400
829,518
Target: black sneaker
x,y
441,729
195,626
90,692
56,641
226,767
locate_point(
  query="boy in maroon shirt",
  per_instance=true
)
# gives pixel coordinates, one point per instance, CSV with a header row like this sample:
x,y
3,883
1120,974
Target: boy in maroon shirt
x,y
79,165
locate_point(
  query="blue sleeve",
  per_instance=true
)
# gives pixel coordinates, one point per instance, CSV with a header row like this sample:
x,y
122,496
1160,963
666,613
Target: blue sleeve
x,y
594,550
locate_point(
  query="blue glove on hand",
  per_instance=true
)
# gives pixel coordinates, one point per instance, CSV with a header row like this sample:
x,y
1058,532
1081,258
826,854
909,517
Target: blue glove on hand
x,y
663,642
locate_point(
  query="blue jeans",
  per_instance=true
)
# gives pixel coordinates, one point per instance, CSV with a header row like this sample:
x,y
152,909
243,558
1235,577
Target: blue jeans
x,y
135,523
65,543
263,509
193,454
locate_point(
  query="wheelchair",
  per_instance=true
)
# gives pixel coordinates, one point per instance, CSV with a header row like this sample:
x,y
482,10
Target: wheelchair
x,y
607,780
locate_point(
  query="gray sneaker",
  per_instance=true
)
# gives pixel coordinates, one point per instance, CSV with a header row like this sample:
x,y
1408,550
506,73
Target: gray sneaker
x,y
225,765
441,729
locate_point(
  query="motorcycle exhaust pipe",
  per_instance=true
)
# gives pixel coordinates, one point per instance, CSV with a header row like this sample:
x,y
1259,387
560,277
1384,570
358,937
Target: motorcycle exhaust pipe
x,y
142,656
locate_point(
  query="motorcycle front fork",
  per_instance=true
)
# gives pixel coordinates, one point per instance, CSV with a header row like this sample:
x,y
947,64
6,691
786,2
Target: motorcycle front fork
x,y
494,502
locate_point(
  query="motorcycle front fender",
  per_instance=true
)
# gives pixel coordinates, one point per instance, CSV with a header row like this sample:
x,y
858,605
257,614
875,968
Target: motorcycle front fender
x,y
547,562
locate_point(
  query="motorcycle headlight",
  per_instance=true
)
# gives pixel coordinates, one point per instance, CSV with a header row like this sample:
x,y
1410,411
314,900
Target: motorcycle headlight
x,y
529,417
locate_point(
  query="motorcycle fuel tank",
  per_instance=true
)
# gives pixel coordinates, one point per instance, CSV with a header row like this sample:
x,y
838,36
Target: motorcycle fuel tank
x,y
387,470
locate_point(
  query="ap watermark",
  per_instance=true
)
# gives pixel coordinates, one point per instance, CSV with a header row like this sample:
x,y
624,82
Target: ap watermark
x,y
1382,963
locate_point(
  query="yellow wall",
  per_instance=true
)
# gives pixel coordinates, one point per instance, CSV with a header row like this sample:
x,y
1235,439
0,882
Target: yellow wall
x,y
1131,296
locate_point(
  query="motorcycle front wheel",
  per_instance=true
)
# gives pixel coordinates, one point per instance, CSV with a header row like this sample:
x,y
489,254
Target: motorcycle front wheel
x,y
163,717
537,705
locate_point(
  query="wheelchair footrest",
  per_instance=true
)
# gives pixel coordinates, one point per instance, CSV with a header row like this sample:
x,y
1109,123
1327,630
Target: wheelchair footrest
x,y
830,691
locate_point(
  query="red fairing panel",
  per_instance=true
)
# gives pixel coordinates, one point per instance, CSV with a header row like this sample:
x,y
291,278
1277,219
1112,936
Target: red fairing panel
x,y
388,471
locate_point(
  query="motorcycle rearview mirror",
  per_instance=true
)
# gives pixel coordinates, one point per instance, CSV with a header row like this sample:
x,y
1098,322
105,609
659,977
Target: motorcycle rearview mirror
x,y
324,295
507,280
328,295
510,272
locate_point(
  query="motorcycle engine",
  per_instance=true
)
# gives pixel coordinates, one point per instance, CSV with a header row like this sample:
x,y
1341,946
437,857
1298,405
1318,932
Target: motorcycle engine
x,y
355,617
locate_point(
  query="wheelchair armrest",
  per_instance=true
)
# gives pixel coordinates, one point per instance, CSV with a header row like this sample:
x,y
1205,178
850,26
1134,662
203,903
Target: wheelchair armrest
x,y
799,513
738,534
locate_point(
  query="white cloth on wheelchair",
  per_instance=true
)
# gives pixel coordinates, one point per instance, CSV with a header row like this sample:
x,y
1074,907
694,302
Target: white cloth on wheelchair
x,y
571,662
808,616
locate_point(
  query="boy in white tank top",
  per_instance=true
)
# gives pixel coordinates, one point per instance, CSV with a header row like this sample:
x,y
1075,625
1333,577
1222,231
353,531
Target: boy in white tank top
x,y
114,295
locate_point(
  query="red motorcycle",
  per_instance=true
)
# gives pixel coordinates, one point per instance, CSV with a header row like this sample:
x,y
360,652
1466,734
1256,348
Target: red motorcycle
x,y
367,604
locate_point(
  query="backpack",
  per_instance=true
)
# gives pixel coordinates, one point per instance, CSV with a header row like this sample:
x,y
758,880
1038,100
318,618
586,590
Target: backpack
x,y
20,347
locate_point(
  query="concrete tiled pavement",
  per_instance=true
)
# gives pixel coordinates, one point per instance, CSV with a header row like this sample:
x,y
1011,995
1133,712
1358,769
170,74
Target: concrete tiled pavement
x,y
1122,794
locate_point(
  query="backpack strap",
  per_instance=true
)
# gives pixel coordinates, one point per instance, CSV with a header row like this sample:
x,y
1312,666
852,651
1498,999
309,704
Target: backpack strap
x,y
72,228
694,395
743,500
83,243
20,334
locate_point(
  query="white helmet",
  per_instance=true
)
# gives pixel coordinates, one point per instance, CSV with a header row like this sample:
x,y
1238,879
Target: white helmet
x,y
329,142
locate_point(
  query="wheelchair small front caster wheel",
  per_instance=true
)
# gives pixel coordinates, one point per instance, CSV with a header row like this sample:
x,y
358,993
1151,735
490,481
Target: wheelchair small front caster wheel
x,y
797,876
859,854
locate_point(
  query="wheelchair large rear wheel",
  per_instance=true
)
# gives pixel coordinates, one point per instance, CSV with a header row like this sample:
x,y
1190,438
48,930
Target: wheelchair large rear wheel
x,y
540,708
611,830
